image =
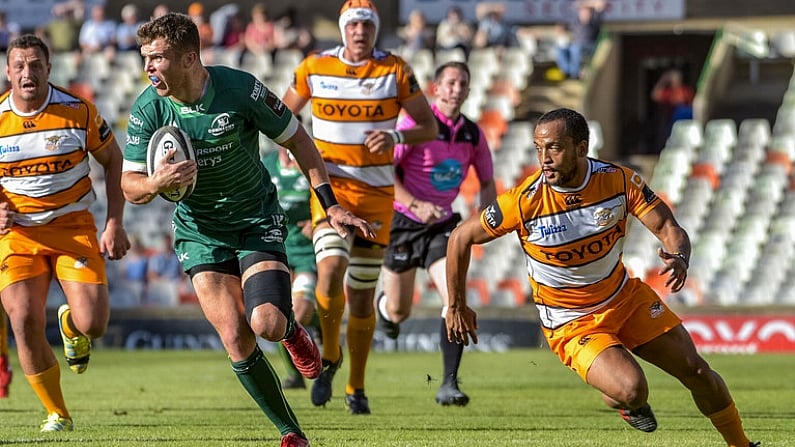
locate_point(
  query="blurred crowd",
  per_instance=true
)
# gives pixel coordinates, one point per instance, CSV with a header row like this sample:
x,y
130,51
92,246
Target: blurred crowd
x,y
74,26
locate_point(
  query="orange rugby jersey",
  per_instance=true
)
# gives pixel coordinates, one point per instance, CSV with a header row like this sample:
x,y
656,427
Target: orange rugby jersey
x,y
349,99
44,165
573,239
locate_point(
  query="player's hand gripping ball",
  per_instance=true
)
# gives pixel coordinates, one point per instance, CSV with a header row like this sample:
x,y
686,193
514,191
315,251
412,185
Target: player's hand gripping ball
x,y
162,141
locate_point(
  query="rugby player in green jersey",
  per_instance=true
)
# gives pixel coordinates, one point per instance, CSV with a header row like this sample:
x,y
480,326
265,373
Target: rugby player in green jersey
x,y
229,233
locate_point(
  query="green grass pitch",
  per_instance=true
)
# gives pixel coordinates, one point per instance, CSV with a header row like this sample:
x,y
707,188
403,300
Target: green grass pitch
x,y
518,398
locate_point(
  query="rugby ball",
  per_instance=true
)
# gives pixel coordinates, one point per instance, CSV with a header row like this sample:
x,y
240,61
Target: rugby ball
x,y
162,141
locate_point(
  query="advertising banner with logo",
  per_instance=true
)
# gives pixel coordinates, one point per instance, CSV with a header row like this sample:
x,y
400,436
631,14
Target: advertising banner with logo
x,y
745,334
527,12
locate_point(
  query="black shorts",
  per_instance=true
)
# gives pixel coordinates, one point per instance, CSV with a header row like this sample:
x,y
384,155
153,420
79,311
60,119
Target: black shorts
x,y
413,244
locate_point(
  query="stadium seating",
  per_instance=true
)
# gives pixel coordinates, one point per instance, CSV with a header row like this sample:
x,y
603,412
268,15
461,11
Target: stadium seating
x,y
733,191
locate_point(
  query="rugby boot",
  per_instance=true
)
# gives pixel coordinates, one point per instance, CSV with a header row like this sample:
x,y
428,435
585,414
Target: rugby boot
x,y
304,352
641,418
321,389
357,403
76,350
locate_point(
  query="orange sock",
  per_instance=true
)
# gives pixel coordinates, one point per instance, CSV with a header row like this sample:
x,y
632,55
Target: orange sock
x,y
330,310
360,338
47,386
728,423
68,326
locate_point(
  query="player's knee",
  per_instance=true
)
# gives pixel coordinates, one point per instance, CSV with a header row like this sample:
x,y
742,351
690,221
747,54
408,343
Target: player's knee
x,y
268,322
699,376
95,330
398,311
304,287
268,303
363,273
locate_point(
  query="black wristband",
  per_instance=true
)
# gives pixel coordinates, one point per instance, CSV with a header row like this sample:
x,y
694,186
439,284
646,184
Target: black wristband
x,y
325,195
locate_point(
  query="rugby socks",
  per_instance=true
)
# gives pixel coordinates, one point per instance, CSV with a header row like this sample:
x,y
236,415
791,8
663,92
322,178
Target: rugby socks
x,y
360,338
68,325
728,423
47,386
451,354
288,362
260,381
330,310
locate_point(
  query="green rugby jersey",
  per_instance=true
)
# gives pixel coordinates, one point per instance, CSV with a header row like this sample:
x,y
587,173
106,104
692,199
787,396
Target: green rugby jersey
x,y
233,188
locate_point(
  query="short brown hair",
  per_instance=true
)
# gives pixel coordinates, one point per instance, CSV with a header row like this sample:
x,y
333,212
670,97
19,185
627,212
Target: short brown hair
x,y
176,28
26,41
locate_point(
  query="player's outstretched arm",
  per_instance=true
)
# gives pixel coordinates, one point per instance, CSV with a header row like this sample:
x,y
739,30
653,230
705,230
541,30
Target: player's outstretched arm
x,y
306,154
460,319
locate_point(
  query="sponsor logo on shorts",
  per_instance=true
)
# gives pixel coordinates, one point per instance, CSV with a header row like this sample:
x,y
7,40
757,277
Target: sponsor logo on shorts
x,y
274,235
584,340
81,262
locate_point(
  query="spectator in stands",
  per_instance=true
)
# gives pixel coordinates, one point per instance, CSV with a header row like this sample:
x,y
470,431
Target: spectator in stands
x,y
583,32
163,262
126,39
8,31
133,269
164,276
289,33
234,33
259,32
63,31
196,13
674,99
219,21
492,30
98,33
454,32
428,178
416,35
160,10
